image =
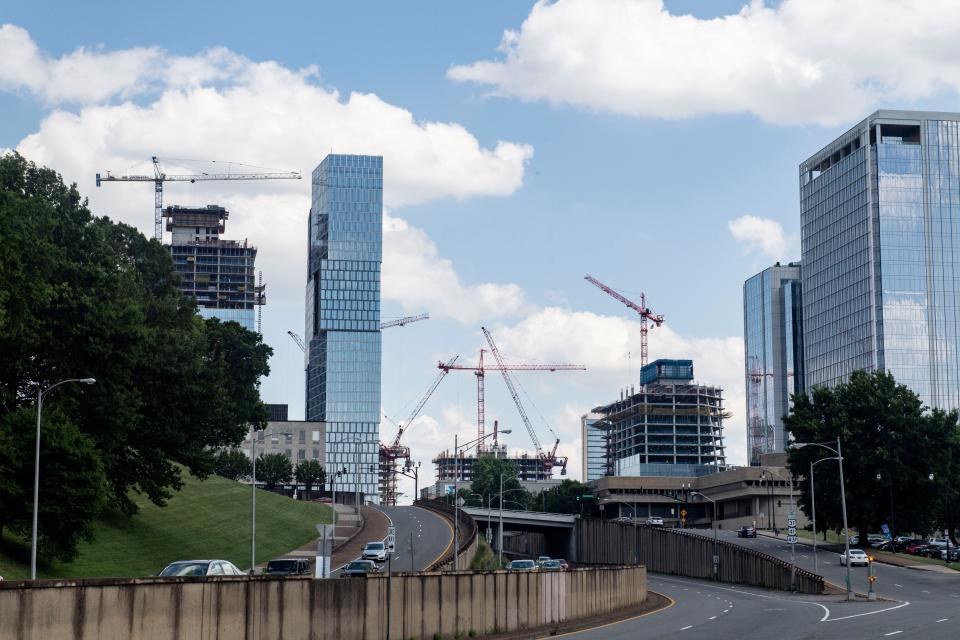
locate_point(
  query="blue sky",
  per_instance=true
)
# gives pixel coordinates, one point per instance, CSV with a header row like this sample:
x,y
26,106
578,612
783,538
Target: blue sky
x,y
634,137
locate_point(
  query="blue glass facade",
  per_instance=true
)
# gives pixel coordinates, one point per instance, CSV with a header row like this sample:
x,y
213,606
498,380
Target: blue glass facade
x,y
881,228
773,354
343,315
593,440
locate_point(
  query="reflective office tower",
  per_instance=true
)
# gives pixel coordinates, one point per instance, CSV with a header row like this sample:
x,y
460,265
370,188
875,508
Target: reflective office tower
x,y
773,350
343,316
593,441
880,210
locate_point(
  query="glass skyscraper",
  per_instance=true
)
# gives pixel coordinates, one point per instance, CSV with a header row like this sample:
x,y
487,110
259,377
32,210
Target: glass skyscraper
x,y
880,210
773,354
343,316
593,444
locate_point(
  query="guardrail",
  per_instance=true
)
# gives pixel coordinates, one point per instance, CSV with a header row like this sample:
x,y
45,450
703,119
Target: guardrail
x,y
676,552
468,534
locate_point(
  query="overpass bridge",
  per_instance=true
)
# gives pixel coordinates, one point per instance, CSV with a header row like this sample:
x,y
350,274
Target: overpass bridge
x,y
558,528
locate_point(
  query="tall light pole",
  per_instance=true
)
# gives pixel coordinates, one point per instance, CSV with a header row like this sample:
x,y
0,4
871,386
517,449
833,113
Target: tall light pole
x,y
716,558
500,531
813,510
843,504
36,469
253,495
457,452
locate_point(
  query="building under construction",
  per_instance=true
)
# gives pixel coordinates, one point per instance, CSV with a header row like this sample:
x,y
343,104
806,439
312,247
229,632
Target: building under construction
x,y
670,426
449,469
219,274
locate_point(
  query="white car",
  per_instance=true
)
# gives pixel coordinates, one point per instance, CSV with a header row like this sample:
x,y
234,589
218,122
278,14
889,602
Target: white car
x,y
857,556
376,551
655,522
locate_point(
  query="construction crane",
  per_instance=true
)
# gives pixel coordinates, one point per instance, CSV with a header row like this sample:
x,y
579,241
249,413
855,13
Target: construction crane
x,y
480,371
550,460
160,176
389,454
645,313
402,322
296,338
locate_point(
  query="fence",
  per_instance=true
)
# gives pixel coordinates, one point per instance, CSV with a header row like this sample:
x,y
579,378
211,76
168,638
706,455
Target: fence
x,y
468,535
675,552
421,605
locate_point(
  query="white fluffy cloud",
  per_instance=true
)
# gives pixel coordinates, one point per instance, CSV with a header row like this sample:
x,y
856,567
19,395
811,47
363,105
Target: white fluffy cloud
x,y
761,235
218,104
797,61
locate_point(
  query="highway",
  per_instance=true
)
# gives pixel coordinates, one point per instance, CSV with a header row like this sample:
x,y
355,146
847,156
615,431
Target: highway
x,y
916,604
431,535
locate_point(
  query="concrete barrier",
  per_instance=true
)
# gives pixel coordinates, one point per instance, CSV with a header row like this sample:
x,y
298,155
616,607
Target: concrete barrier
x,y
262,608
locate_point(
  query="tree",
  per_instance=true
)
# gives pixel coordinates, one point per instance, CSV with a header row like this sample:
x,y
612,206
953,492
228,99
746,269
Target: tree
x,y
273,469
486,482
72,481
884,429
82,296
310,473
567,497
232,463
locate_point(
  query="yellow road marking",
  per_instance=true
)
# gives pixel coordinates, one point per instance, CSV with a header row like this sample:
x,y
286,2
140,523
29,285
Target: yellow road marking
x,y
610,624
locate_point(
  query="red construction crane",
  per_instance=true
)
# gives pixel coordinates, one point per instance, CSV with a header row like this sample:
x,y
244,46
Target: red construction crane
x,y
645,313
480,371
550,460
389,454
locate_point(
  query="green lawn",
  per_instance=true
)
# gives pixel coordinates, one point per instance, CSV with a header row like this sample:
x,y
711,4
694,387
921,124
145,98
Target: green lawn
x,y
208,519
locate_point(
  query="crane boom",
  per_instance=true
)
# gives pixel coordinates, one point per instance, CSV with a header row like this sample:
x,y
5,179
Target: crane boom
x,y
423,401
296,338
402,322
641,309
160,176
513,391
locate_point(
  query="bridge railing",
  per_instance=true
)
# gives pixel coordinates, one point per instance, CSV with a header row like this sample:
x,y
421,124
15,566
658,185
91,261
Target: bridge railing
x,y
672,551
468,534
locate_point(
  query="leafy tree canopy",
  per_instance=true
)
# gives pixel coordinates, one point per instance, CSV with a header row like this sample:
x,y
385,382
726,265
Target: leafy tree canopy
x,y
273,469
884,431
82,296
310,473
232,463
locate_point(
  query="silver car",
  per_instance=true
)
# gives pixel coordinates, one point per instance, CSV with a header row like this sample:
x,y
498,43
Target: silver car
x,y
188,568
376,551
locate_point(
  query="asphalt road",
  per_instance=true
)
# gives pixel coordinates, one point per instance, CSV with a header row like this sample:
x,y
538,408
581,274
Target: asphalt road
x,y
429,533
920,604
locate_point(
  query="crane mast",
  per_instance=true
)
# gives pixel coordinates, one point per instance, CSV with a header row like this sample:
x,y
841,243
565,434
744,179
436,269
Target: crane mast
x,y
641,309
160,176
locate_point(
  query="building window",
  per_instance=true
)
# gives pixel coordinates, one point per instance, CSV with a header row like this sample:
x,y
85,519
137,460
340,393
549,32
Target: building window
x,y
302,454
288,453
303,435
316,436
316,454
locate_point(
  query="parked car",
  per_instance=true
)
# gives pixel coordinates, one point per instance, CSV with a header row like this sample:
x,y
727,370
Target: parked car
x,y
542,559
624,519
857,556
564,564
747,532
375,550
359,568
189,568
288,567
655,521
854,539
875,540
522,565
914,547
551,565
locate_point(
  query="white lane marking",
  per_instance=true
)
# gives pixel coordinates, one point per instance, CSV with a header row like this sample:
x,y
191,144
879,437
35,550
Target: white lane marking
x,y
943,619
713,617
892,633
924,591
726,610
868,613
689,626
898,586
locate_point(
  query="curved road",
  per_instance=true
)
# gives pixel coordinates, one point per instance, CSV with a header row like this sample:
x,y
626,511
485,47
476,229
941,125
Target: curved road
x,y
429,533
917,604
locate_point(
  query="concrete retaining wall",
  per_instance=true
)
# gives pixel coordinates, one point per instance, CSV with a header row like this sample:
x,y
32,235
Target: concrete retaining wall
x,y
221,608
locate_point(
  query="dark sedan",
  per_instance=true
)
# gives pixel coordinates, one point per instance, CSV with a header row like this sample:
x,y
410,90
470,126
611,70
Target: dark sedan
x,y
359,568
747,532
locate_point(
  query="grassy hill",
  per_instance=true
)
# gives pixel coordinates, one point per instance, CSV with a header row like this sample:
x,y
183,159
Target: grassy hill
x,y
208,519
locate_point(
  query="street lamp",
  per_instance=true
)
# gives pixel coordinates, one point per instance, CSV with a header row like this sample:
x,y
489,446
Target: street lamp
x,y
813,510
36,469
412,471
253,494
843,504
457,452
716,558
500,530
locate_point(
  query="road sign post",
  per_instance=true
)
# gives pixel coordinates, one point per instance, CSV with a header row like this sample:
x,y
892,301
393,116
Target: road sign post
x,y
324,551
792,539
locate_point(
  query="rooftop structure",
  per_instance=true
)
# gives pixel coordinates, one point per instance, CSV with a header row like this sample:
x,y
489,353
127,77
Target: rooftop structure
x,y
449,468
671,426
